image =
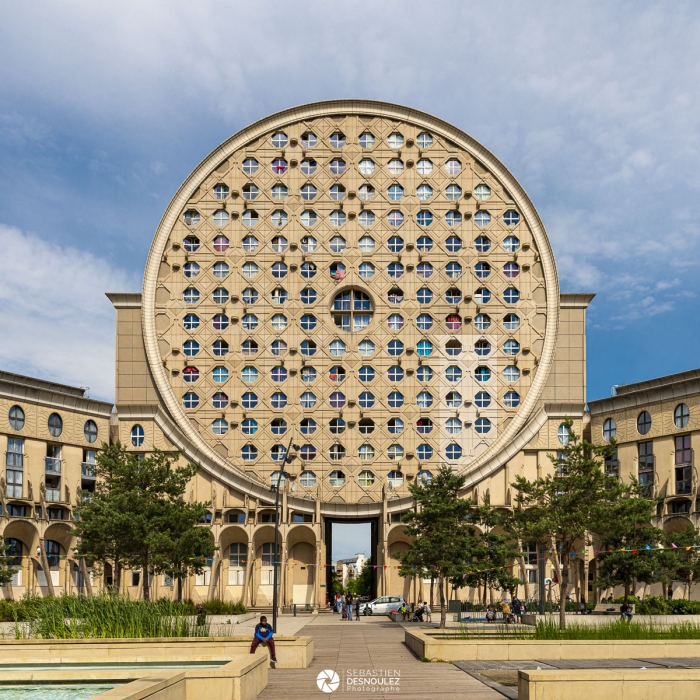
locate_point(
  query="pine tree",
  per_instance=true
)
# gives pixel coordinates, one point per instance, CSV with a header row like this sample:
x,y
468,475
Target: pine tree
x,y
138,517
492,554
685,547
623,526
559,509
443,537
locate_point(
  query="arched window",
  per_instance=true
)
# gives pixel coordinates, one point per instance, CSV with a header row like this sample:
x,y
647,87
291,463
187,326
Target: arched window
x,y
53,553
563,434
238,554
268,558
14,550
137,435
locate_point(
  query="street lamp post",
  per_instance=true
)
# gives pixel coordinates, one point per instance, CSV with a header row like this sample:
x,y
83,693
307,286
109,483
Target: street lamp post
x,y
275,559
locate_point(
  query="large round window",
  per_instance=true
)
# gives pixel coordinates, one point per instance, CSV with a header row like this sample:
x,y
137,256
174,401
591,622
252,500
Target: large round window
x,y
352,310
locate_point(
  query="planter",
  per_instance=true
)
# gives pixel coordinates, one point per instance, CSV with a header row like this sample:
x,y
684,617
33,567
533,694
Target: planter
x,y
440,646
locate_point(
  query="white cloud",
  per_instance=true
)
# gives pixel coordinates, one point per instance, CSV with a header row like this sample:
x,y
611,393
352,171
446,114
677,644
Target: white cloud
x,y
593,107
57,322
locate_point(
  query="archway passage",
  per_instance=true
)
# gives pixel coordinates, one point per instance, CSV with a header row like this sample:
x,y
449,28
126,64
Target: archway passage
x,y
369,547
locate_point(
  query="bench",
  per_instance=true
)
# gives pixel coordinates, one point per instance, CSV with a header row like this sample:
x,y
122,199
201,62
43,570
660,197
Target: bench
x,y
611,608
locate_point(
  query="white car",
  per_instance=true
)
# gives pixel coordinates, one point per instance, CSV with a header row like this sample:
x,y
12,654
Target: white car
x,y
383,605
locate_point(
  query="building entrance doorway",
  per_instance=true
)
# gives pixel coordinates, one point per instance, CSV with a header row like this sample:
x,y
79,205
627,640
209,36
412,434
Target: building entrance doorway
x,y
363,543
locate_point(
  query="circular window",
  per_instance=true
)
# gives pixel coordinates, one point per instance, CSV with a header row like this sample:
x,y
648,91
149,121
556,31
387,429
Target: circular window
x,y
55,425
681,416
609,428
643,423
90,431
352,310
16,418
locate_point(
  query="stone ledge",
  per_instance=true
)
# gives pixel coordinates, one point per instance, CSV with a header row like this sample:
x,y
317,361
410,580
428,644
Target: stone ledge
x,y
439,646
292,652
602,684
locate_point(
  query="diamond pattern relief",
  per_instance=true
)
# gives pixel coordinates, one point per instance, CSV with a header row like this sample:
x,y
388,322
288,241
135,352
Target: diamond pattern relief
x,y
378,286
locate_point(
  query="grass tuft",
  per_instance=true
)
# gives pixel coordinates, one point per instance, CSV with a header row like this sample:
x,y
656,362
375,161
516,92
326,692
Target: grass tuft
x,y
548,630
104,616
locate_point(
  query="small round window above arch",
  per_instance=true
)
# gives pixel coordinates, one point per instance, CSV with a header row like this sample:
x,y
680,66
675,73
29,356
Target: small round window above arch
x,y
137,435
609,429
16,417
90,431
643,423
55,425
681,416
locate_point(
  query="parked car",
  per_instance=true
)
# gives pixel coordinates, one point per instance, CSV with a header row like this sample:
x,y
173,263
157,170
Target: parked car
x,y
383,605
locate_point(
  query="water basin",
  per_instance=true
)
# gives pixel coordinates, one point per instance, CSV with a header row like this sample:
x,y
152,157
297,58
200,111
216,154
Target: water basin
x,y
52,692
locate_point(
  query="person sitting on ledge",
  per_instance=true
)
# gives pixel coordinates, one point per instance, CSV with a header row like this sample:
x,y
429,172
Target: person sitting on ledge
x,y
263,635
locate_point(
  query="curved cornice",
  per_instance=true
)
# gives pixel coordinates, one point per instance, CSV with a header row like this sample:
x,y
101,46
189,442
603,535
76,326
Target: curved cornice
x,y
221,466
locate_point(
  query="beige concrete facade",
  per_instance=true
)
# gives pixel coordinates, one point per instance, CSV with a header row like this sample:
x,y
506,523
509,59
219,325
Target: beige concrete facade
x,y
241,339
656,424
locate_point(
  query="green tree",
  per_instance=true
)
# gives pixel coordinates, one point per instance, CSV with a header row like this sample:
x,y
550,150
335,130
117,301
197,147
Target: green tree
x,y
138,517
559,508
442,535
493,553
685,548
623,526
6,564
362,584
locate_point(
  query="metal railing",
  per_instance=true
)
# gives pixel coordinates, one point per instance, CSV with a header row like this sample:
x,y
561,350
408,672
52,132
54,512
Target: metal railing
x,y
53,465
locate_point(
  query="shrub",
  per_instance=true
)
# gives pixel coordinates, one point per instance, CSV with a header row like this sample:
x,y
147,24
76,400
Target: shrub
x,y
6,611
219,607
684,607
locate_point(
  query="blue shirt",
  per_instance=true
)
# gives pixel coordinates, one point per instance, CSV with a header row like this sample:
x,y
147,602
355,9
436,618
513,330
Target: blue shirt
x,y
263,633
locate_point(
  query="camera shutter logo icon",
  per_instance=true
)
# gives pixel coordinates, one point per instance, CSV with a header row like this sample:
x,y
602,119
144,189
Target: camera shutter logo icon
x,y
328,681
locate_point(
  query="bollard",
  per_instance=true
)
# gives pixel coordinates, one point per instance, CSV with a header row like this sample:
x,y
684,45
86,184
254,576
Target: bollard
x,y
295,609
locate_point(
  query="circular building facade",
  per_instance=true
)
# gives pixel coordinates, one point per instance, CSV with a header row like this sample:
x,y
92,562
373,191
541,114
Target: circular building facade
x,y
361,279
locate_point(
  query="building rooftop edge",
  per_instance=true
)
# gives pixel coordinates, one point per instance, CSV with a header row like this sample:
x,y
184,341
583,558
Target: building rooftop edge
x,y
125,300
658,383
56,387
576,300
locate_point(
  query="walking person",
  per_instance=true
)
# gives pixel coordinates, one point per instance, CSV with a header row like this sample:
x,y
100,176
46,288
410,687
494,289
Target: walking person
x,y
339,603
427,614
349,602
517,609
263,635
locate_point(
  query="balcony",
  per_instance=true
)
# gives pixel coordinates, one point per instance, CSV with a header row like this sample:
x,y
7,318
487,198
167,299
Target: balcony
x,y
684,486
53,465
53,495
87,470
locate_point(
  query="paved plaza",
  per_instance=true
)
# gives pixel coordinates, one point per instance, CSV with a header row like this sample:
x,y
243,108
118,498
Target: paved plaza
x,y
369,644
375,643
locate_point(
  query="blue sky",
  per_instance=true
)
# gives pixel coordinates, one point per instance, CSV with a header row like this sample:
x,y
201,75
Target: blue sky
x,y
106,108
